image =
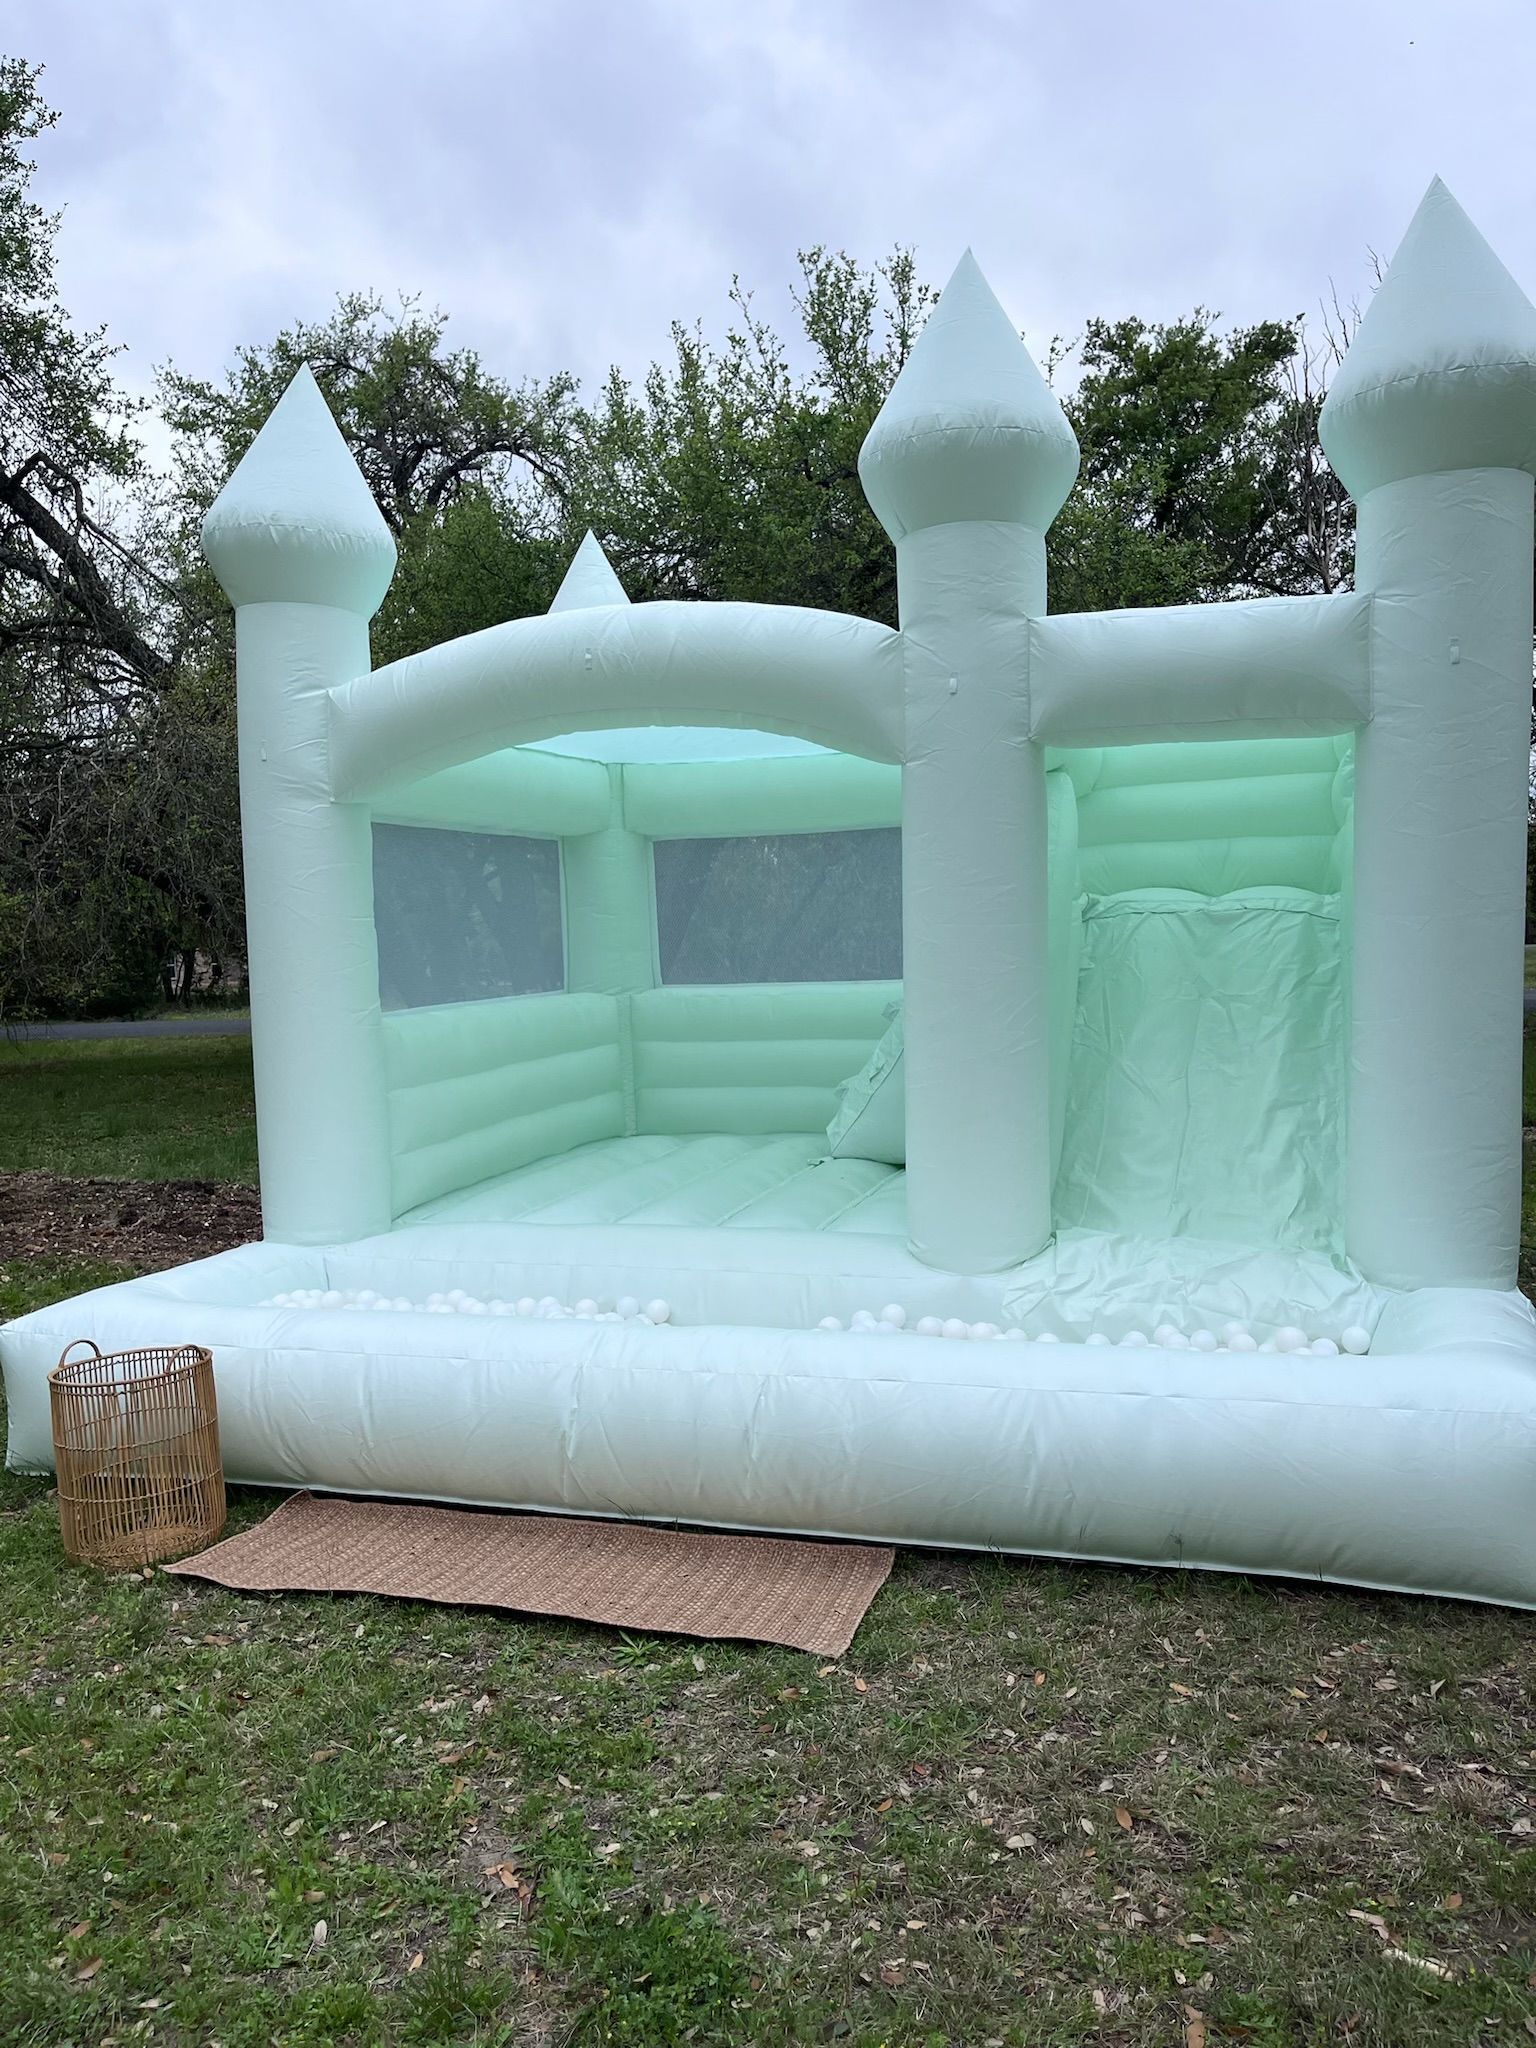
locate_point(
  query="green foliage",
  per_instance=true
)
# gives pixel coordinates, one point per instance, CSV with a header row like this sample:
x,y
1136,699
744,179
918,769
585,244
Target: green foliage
x,y
728,471
466,468
1199,475
117,835
730,475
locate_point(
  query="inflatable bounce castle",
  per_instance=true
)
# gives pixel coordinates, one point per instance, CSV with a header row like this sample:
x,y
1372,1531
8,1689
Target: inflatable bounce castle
x,y
1042,1083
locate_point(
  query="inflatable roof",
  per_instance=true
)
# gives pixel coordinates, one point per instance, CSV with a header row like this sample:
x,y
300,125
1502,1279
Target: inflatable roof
x,y
1039,1082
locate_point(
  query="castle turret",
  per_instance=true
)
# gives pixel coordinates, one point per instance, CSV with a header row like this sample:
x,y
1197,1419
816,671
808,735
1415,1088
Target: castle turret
x,y
966,466
1431,425
300,548
589,582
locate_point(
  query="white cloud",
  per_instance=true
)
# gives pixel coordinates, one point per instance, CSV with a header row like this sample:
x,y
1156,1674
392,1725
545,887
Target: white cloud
x,y
565,177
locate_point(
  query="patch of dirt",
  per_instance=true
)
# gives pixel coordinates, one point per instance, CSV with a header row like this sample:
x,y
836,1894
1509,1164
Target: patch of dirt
x,y
143,1223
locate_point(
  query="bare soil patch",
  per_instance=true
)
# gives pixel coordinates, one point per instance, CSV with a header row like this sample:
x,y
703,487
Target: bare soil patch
x,y
143,1223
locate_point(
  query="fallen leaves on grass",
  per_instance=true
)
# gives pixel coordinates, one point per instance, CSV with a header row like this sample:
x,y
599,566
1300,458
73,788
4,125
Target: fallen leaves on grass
x,y
1392,1949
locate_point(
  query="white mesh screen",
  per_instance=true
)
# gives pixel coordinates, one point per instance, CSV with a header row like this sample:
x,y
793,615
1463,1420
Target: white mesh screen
x,y
465,915
802,906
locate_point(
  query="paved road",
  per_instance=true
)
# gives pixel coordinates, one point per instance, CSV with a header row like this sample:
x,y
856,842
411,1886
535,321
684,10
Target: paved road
x,y
150,1027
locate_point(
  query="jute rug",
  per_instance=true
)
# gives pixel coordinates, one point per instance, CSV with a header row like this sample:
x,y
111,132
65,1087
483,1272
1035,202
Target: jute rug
x,y
769,1589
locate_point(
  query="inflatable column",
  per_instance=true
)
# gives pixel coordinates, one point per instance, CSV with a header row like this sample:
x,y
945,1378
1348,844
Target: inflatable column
x,y
968,463
607,875
304,556
1431,425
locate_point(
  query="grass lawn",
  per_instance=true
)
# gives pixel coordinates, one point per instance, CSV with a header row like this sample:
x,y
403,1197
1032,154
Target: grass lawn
x,y
140,1108
1035,1805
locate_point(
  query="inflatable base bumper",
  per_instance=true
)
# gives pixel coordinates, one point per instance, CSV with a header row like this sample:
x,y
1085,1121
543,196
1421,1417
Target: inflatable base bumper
x,y
1410,1468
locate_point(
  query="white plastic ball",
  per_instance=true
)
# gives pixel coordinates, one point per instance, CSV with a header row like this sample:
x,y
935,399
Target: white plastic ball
x,y
1203,1340
526,1305
586,1306
861,1319
1231,1330
1015,1336
1134,1339
985,1330
659,1311
954,1327
1174,1341
1323,1347
1356,1340
547,1302
829,1323
893,1312
1269,1345
930,1326
1096,1337
627,1306
1165,1333
1047,1337
1242,1340
331,1298
1289,1338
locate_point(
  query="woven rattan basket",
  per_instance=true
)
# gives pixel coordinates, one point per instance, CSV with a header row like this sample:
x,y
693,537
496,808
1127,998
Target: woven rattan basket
x,y
136,1447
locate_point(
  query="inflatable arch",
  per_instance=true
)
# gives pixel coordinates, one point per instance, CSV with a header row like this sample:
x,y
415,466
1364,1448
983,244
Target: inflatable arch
x,y
677,1026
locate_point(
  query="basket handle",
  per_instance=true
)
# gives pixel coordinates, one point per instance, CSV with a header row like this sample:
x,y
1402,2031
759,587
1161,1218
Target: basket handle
x,y
64,1354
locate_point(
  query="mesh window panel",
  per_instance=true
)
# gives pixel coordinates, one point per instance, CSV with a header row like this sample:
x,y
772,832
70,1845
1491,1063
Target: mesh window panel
x,y
465,915
803,906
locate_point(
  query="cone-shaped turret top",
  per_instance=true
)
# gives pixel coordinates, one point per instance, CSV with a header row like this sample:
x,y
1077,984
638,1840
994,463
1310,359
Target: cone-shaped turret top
x,y
1442,371
970,429
296,524
589,581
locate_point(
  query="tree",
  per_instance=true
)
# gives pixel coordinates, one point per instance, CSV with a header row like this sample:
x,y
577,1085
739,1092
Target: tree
x,y
468,470
114,786
727,474
728,471
1201,474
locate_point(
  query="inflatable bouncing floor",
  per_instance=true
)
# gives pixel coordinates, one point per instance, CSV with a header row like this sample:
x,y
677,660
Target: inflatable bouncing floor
x,y
1038,1082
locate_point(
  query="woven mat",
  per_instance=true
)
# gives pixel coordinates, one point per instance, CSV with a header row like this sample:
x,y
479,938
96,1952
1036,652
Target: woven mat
x,y
769,1589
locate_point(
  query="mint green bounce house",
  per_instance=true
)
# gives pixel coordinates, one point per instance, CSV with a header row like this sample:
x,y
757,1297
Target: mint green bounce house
x,y
1031,1082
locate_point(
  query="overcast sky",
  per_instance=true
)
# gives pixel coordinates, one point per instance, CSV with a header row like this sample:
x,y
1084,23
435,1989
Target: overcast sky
x,y
565,177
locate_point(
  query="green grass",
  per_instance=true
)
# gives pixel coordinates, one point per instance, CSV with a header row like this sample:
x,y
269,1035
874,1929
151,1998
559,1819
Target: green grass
x,y
126,1108
590,1839
542,1833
